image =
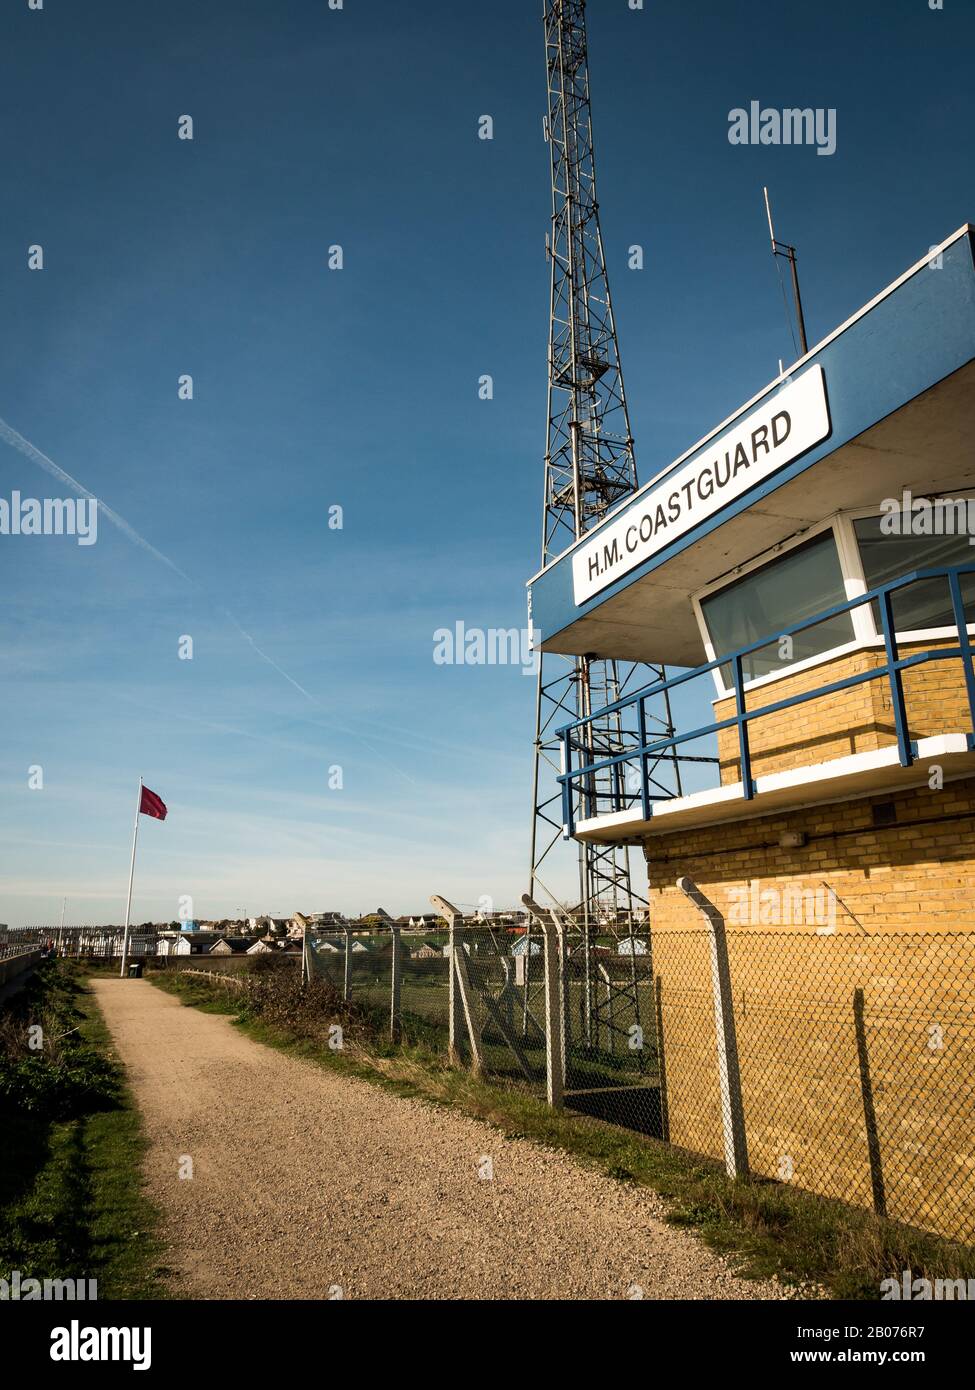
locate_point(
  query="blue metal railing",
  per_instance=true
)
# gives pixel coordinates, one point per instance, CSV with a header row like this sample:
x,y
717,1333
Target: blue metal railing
x,y
574,779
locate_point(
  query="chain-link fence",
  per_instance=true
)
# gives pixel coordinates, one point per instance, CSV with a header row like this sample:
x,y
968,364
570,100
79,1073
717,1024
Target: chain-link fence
x,y
610,1050
465,992
839,1060
835,1059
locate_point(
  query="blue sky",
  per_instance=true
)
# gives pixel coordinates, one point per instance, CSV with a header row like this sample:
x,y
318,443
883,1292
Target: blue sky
x,y
359,388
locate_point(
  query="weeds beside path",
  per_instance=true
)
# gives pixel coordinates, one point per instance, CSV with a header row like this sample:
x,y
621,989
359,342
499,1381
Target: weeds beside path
x,y
72,1201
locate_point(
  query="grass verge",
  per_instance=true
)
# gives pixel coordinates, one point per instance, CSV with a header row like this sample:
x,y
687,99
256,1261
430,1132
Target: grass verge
x,y
72,1202
813,1246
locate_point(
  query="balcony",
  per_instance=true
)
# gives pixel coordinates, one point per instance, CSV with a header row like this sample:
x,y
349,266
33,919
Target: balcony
x,y
620,782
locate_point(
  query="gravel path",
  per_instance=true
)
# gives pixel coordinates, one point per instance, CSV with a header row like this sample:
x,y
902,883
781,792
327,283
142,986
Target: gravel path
x,y
306,1182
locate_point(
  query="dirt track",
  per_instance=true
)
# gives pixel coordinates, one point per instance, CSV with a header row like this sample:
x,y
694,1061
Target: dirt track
x,y
305,1181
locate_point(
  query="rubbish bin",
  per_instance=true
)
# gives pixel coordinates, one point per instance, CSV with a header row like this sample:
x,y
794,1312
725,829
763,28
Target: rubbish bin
x,y
135,970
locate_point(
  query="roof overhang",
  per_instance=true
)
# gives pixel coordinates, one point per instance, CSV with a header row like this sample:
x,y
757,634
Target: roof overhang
x,y
899,380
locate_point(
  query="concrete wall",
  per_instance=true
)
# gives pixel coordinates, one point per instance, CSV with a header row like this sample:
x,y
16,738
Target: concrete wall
x,y
12,966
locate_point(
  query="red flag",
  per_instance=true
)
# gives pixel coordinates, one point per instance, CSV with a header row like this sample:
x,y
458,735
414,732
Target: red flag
x,y
152,805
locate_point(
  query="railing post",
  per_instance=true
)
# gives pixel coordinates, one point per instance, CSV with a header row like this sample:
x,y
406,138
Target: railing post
x,y
729,1076
894,676
964,645
568,819
644,784
394,992
744,751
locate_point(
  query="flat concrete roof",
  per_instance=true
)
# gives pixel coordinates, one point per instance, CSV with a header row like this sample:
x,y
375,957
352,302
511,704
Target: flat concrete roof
x,y
900,383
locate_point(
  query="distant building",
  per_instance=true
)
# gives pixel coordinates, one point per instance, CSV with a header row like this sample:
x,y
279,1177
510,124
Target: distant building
x,y
524,946
182,943
230,946
424,921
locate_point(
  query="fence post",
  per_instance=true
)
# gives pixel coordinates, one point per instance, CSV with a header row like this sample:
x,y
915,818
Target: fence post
x,y
729,1077
554,1002
394,994
451,915
869,1112
610,1013
658,1002
347,975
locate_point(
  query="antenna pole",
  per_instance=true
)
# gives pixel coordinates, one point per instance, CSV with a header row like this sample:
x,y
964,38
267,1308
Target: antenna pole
x,y
781,248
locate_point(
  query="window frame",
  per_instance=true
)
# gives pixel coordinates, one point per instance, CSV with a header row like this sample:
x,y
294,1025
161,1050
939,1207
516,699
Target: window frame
x,y
865,631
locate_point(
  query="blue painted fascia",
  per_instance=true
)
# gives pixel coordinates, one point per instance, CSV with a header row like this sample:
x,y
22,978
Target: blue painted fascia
x,y
917,335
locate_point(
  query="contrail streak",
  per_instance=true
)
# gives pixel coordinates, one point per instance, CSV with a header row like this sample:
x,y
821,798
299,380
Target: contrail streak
x,y
24,446
17,441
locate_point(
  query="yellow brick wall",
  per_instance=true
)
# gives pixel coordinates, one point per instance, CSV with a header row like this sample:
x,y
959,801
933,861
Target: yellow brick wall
x,y
856,720
904,935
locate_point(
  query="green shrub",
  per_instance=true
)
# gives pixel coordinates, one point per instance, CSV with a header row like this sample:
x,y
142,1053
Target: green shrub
x,y
65,1076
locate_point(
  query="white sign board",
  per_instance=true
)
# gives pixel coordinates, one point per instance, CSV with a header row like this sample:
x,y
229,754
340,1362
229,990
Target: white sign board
x,y
782,428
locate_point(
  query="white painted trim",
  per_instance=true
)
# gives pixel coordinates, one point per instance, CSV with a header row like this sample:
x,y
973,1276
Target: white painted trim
x,y
932,749
783,376
797,666
854,579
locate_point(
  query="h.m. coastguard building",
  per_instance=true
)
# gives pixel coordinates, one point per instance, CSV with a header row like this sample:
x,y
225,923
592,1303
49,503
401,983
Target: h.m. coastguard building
x,y
810,562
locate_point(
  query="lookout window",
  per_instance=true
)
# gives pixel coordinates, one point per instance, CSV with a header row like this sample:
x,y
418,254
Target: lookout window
x,y
767,602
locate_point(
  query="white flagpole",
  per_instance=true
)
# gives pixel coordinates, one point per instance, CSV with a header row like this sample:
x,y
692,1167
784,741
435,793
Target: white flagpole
x,y
128,901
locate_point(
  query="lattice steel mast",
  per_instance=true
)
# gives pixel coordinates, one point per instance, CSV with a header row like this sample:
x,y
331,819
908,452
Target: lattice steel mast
x,y
589,465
